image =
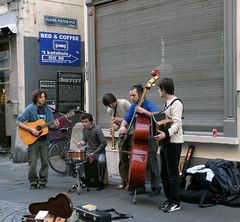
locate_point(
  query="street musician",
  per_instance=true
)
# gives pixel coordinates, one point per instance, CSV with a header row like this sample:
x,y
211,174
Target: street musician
x,y
117,109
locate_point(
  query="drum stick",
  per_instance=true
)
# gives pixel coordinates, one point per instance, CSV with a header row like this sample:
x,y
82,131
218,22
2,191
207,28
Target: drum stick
x,y
77,144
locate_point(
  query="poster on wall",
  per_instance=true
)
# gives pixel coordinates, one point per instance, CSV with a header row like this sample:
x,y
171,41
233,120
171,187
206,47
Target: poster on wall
x,y
70,91
59,49
50,87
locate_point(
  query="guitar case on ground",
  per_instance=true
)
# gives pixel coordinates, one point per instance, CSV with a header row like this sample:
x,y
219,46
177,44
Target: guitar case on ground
x,y
59,206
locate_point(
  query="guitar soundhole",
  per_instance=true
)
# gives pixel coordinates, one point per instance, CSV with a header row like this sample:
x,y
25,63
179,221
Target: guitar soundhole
x,y
38,128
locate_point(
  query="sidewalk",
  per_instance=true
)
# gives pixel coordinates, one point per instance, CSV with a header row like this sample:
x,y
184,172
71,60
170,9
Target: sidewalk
x,y
16,196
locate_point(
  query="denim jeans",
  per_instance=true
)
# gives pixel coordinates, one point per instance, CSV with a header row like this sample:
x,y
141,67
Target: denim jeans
x,y
101,158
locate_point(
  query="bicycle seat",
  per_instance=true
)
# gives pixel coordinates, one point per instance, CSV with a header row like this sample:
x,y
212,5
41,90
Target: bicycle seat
x,y
64,130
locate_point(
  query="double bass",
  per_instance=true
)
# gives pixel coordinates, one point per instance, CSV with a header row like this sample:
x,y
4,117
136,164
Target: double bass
x,y
140,143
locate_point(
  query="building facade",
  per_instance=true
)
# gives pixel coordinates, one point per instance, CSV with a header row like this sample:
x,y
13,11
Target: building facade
x,y
41,46
194,42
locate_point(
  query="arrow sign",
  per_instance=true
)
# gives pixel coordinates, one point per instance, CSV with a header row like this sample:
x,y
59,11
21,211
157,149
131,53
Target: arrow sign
x,y
60,48
59,59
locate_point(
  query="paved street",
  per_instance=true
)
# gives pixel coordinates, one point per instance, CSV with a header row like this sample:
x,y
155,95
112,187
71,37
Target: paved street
x,y
16,196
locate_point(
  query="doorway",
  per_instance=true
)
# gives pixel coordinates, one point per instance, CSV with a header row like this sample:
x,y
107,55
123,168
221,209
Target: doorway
x,y
5,141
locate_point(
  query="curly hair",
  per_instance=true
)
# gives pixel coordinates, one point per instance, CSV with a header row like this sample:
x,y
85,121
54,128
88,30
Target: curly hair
x,y
36,94
86,116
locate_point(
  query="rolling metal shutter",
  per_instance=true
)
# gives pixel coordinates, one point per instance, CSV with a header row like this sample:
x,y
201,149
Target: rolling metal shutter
x,y
184,37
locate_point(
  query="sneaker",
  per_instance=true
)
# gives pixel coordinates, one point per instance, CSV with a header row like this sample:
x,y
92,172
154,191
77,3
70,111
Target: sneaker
x,y
171,207
42,186
33,186
164,205
120,187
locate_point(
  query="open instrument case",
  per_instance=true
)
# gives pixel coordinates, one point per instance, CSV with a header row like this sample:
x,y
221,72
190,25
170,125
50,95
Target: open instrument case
x,y
59,208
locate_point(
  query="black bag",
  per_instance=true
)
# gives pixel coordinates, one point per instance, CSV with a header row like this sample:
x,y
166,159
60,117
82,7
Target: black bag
x,y
99,215
203,198
226,177
223,189
198,191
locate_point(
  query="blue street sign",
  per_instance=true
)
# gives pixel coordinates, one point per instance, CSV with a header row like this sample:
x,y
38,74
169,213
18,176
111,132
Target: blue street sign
x,y
60,49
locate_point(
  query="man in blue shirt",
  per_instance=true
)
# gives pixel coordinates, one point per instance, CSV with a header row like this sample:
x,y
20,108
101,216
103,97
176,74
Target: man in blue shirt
x,y
147,108
33,112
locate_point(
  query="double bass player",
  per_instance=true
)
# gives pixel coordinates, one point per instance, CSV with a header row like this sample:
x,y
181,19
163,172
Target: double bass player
x,y
146,109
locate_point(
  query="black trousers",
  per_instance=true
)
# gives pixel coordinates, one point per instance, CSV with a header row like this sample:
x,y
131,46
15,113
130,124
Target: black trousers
x,y
170,155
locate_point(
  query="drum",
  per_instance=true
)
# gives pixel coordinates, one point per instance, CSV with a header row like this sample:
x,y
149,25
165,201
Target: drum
x,y
77,155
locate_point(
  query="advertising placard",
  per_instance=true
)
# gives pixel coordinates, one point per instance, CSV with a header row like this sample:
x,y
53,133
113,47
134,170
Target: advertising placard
x,y
60,49
70,91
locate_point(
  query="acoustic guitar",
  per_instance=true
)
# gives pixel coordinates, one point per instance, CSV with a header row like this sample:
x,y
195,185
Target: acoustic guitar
x,y
40,125
160,118
162,123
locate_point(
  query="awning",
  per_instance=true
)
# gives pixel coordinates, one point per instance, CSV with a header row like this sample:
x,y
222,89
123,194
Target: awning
x,y
8,20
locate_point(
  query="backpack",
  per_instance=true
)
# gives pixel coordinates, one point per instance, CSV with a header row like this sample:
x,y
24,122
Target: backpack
x,y
177,99
223,188
226,176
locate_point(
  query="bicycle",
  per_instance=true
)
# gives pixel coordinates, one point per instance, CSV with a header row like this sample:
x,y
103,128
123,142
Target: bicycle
x,y
58,151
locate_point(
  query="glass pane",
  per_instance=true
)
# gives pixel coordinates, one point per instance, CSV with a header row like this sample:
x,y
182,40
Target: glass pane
x,y
4,58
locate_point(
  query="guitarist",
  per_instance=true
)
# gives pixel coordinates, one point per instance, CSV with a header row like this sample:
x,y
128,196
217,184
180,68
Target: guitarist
x,y
172,140
37,110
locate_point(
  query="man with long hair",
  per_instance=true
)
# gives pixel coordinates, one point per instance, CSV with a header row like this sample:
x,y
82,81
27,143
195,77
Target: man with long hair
x,y
37,110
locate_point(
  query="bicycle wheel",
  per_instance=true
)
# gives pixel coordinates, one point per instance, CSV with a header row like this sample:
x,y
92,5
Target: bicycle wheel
x,y
58,155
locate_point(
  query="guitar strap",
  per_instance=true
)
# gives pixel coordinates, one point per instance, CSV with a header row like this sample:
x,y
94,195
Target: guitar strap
x,y
166,107
115,111
119,215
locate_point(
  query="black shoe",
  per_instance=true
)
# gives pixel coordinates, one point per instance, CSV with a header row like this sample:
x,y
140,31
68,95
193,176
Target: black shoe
x,y
155,192
164,205
100,186
171,207
83,179
33,186
42,186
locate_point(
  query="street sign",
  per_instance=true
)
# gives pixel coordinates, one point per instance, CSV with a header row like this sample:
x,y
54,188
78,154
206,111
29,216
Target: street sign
x,y
60,49
59,21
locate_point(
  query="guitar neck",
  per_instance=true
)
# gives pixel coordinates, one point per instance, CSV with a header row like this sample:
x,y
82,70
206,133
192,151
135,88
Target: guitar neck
x,y
51,122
